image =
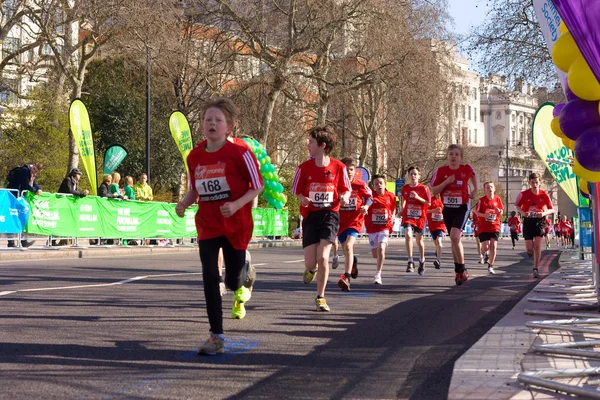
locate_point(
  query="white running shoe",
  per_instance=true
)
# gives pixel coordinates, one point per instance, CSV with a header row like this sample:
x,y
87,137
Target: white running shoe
x,y
491,270
377,279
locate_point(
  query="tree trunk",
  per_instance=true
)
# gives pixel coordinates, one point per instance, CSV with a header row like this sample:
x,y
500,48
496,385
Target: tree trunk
x,y
265,126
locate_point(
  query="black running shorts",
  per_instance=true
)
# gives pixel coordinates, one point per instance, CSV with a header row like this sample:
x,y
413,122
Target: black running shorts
x,y
455,217
534,227
322,224
486,236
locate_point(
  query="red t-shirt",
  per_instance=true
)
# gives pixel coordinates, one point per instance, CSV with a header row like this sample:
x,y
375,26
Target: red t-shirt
x,y
220,177
321,184
474,224
381,213
565,227
456,193
515,224
530,202
414,212
350,216
435,221
556,227
493,223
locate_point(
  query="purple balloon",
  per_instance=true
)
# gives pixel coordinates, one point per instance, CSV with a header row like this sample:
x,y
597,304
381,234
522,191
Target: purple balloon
x,y
558,108
568,93
586,149
584,194
578,116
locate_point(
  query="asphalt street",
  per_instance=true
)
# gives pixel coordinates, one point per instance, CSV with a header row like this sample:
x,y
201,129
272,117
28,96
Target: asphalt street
x,y
128,328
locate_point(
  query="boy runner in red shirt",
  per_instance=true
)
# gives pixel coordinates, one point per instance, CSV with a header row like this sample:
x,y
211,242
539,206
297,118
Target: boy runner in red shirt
x,y
489,210
557,233
352,217
380,222
514,223
565,230
547,232
224,178
437,228
534,204
452,182
322,186
415,200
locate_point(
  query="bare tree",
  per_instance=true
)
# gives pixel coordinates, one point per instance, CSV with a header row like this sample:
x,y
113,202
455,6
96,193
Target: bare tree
x,y
510,42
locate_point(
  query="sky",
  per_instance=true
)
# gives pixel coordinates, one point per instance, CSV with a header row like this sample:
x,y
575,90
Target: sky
x,y
467,13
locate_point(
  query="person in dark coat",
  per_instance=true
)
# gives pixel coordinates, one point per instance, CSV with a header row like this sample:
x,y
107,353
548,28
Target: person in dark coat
x,y
70,184
104,189
24,178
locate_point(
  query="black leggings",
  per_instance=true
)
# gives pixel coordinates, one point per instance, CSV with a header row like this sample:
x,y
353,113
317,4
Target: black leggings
x,y
234,278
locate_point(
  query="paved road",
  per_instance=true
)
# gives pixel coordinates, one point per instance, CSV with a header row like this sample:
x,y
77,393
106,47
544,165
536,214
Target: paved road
x,y
128,328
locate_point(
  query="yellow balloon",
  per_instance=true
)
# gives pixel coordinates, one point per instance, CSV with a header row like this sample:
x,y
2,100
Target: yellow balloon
x,y
583,82
569,143
563,28
590,176
583,185
565,52
556,128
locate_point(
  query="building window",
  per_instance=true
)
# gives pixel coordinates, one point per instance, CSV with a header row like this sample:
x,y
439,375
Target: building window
x,y
8,8
475,135
470,113
498,115
10,88
46,50
456,111
9,46
463,112
475,114
520,119
475,93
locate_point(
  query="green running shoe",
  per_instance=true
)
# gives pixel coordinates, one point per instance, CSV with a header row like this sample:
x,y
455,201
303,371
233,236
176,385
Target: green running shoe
x,y
309,276
322,304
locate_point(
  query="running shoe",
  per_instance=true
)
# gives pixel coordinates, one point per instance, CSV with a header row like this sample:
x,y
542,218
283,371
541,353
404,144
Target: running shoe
x,y
437,264
491,270
421,269
344,283
480,260
377,279
222,289
410,267
530,255
335,263
486,258
354,271
309,276
322,304
238,311
536,273
250,275
513,247
461,277
212,346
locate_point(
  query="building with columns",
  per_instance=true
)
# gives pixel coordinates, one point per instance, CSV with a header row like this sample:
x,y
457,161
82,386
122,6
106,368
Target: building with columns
x,y
507,115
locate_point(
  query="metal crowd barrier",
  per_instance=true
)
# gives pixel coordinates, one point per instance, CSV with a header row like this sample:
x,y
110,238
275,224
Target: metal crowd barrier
x,y
575,295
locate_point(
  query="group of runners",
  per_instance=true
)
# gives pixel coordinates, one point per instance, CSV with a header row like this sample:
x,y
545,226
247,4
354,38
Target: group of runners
x,y
225,178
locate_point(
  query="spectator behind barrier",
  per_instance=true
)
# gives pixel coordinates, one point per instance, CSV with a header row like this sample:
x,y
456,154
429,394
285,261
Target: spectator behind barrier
x,y
104,189
143,191
128,188
114,188
24,178
70,184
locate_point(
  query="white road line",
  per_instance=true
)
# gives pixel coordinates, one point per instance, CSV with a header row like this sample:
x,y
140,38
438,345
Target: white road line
x,y
137,278
259,264
294,261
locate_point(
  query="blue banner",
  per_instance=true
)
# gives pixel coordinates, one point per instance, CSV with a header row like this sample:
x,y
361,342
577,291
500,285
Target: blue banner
x,y
585,227
13,213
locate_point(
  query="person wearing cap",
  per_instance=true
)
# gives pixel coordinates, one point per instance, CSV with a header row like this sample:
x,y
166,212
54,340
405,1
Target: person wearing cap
x,y
70,184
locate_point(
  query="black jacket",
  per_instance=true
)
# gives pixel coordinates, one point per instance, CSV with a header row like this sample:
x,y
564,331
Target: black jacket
x,y
21,179
104,190
69,185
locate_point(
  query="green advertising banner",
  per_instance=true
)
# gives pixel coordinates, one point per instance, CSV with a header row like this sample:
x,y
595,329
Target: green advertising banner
x,y
113,157
180,130
69,216
82,133
550,147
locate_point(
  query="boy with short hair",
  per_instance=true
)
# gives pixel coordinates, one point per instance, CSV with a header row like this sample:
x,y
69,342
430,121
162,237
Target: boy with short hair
x,y
322,186
352,217
437,228
489,209
534,204
415,199
514,223
380,221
